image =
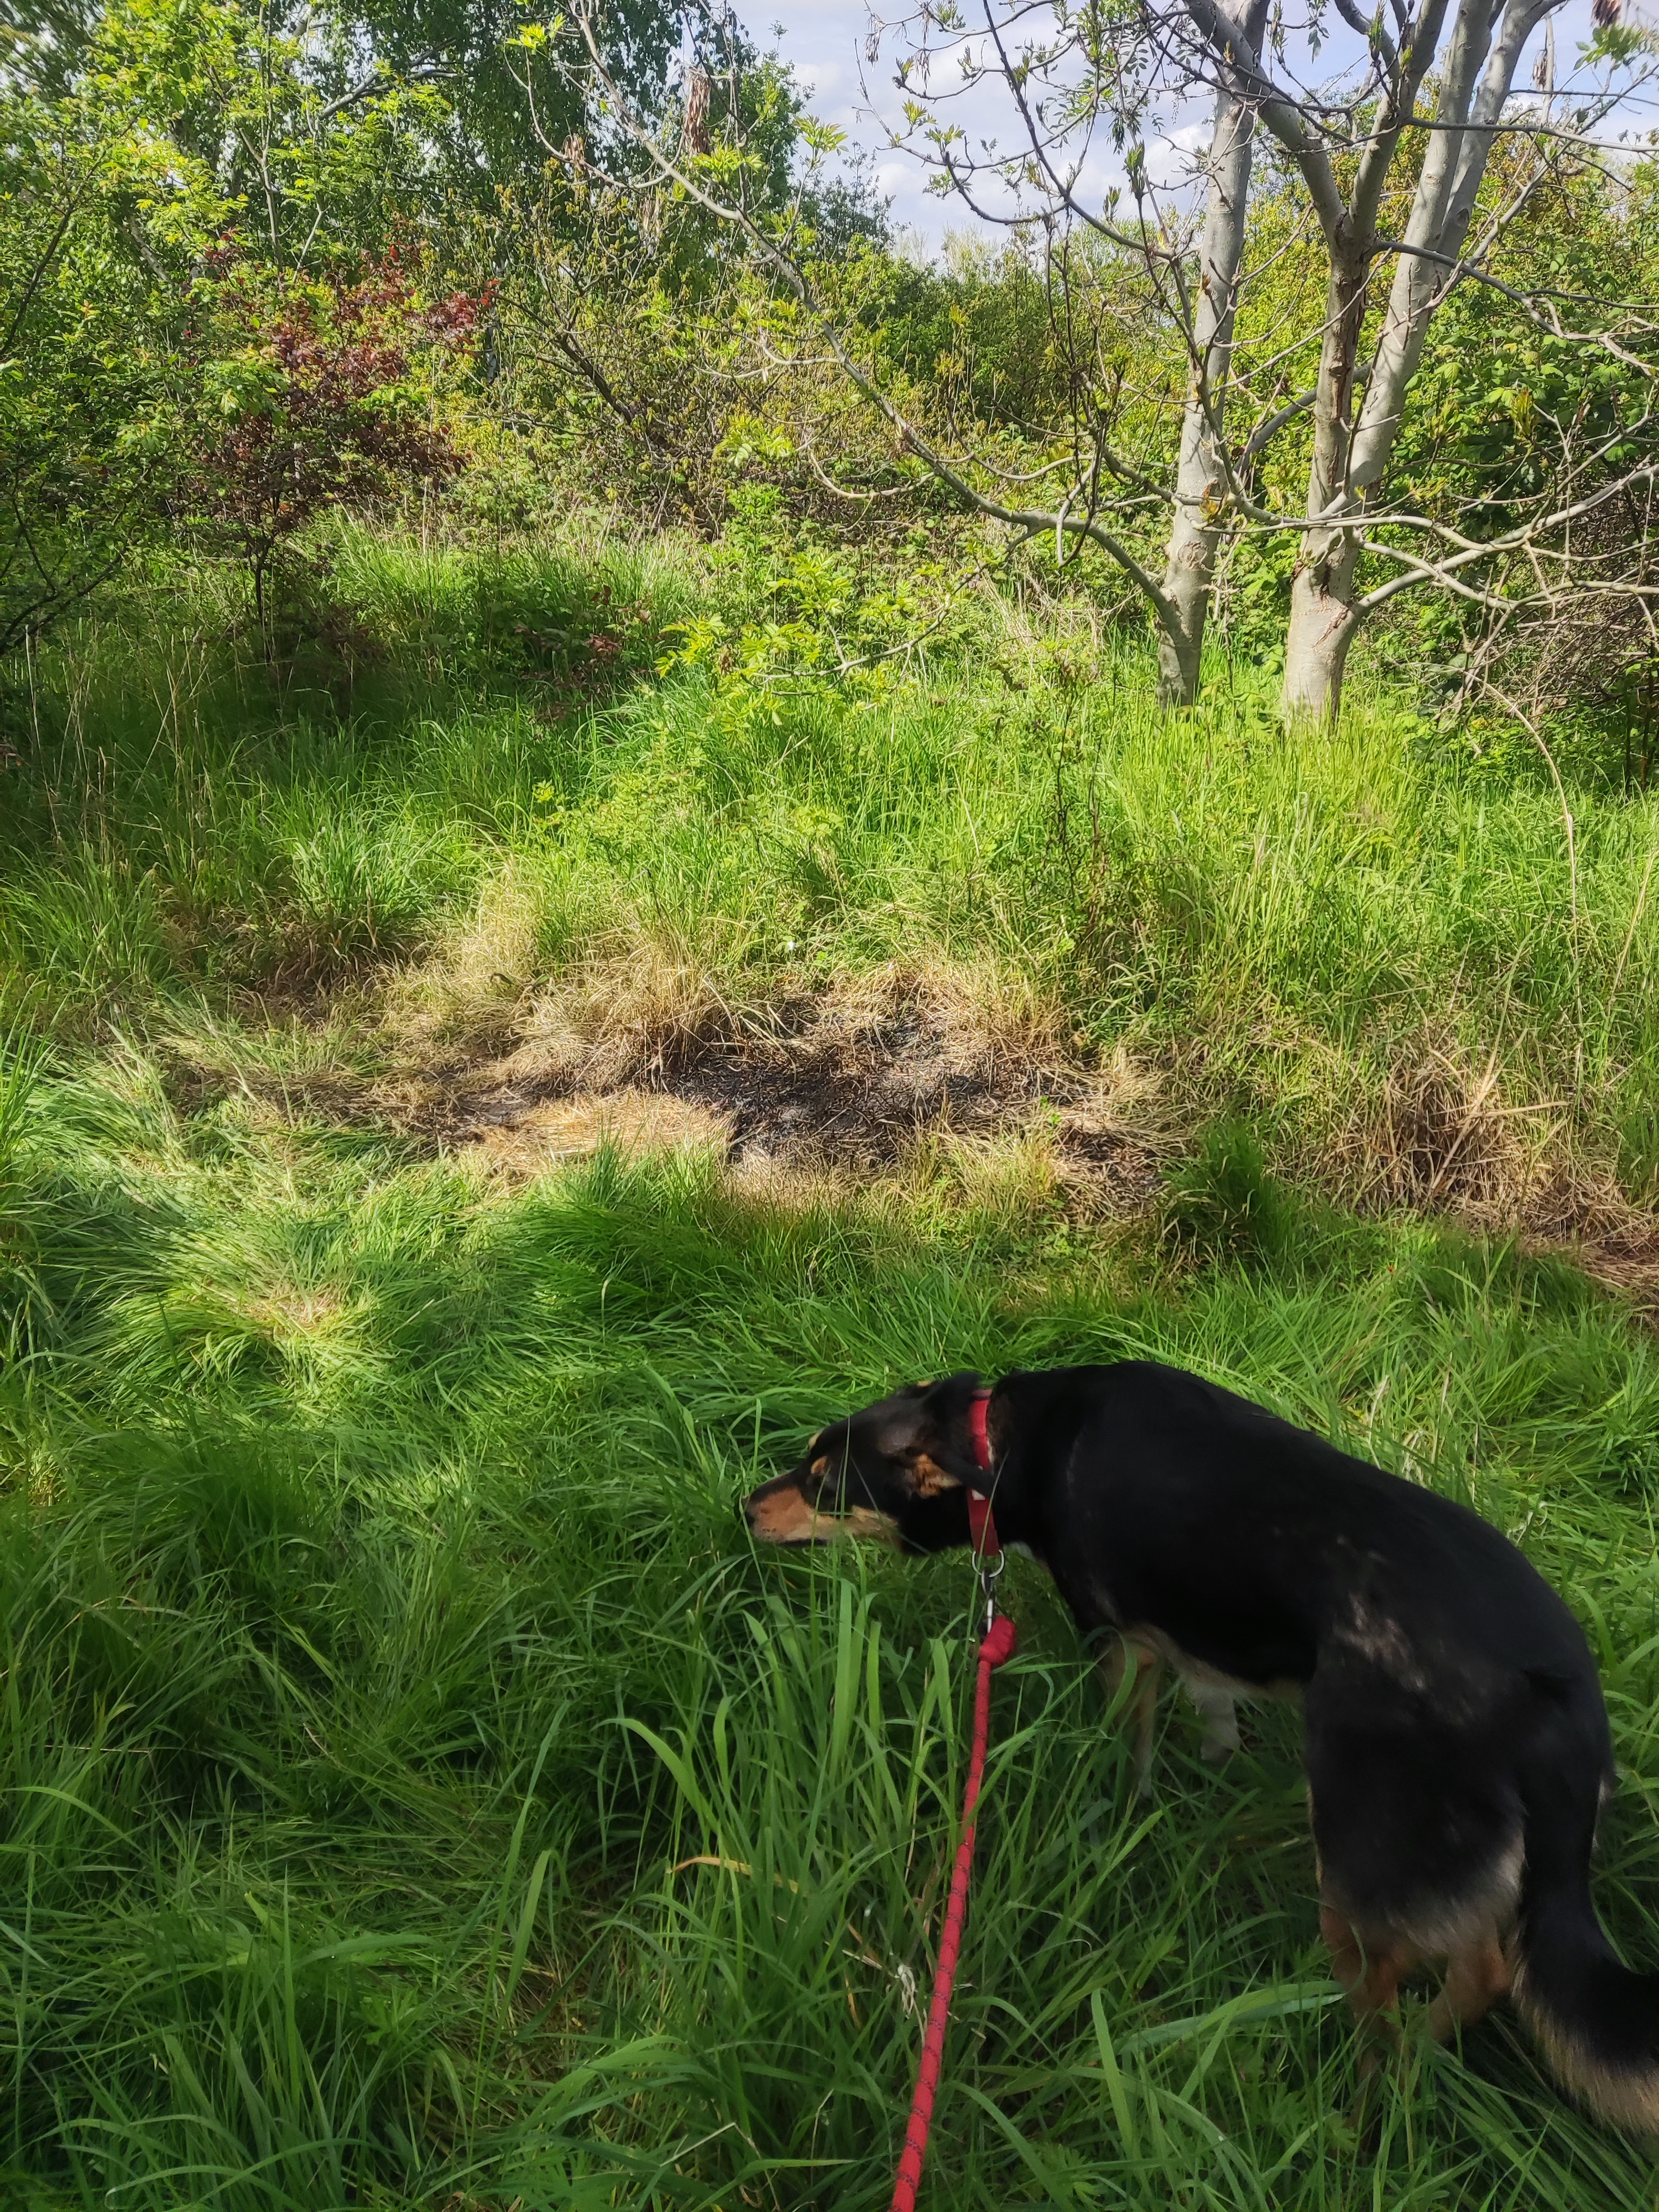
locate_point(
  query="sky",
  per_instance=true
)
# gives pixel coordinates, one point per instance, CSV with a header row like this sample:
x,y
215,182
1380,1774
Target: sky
x,y
824,39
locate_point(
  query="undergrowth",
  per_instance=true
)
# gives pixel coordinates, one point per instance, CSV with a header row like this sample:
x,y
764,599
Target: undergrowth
x,y
1419,975
417,1791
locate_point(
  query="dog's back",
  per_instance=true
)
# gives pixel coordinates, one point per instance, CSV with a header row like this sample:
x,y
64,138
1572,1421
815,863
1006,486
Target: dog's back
x,y
1264,1550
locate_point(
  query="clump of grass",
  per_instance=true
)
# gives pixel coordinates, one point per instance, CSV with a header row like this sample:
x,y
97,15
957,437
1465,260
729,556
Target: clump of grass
x,y
21,1062
1222,1202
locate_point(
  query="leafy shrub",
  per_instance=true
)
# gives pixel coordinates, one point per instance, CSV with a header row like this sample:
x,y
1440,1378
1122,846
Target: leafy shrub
x,y
87,321
316,391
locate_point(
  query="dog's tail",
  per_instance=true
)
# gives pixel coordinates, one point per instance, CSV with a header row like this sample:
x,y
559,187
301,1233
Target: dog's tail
x,y
1597,2021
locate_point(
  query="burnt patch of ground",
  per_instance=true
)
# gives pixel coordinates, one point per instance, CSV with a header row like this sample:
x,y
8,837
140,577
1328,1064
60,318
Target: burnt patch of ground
x,y
814,1084
860,1080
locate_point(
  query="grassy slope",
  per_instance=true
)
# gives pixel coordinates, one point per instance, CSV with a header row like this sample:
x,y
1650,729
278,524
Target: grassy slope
x,y
379,1634
1360,945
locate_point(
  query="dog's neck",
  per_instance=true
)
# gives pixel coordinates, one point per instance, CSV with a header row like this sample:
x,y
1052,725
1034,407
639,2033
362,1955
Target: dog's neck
x,y
1031,1422
983,1447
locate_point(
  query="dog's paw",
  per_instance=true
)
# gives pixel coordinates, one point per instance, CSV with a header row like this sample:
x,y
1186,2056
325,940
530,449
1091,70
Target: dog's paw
x,y
1219,1714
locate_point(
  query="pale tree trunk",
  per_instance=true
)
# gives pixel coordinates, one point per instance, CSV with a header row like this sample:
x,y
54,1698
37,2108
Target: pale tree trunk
x,y
1195,534
1321,624
1324,611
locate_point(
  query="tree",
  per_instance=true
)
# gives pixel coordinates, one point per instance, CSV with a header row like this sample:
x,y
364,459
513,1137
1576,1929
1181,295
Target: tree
x,y
280,133
316,391
1513,422
1391,165
42,43
1071,79
91,280
627,326
192,237
1094,328
506,101
360,47
1351,452
1201,474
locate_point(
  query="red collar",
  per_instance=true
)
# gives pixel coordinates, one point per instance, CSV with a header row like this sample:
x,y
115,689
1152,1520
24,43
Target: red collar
x,y
981,1522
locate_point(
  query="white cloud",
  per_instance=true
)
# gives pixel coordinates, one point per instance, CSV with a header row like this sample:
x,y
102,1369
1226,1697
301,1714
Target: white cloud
x,y
821,79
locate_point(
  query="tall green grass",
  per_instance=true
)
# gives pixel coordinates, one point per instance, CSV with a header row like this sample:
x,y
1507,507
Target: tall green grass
x,y
386,1665
418,1793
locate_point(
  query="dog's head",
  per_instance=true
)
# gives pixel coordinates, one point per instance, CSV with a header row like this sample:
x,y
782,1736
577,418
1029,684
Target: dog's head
x,y
899,1471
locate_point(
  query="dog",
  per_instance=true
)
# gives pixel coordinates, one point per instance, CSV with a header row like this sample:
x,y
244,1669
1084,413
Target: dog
x,y
1457,1746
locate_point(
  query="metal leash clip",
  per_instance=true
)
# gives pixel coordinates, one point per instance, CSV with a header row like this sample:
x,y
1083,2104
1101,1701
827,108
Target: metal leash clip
x,y
987,1582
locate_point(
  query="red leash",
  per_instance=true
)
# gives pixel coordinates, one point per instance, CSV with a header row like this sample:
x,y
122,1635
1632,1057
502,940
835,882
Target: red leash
x,y
997,1646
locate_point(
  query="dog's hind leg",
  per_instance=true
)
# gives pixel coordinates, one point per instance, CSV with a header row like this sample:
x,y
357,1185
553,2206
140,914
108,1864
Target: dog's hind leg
x,y
1371,1976
1143,1699
1218,1711
1476,1976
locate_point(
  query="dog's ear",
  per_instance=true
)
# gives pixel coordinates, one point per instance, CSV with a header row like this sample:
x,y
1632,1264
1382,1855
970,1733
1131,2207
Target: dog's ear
x,y
925,1430
904,1422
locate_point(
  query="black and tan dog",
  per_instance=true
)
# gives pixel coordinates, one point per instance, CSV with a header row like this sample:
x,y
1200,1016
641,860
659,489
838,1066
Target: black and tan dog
x,y
1457,1743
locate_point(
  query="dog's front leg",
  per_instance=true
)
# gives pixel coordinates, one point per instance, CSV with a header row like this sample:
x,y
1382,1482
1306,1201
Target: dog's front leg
x,y
1218,1711
1143,1698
